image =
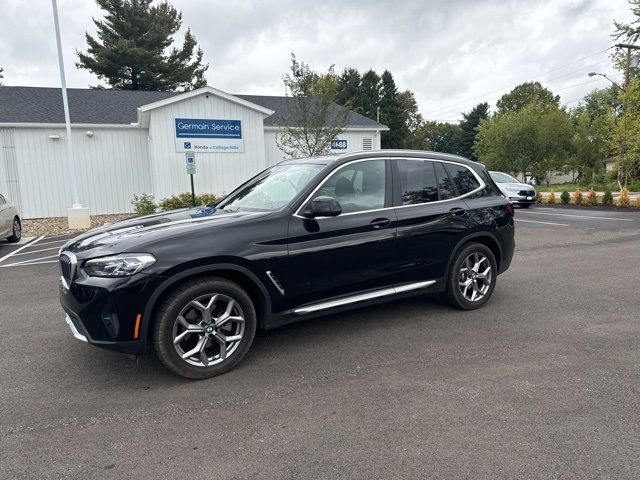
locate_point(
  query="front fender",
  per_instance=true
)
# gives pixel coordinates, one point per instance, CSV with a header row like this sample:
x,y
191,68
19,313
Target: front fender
x,y
195,271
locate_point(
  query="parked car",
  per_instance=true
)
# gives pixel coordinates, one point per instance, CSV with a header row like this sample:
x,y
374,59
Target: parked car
x,y
303,238
10,223
518,193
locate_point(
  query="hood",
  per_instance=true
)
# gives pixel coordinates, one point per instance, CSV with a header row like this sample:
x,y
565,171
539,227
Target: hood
x,y
516,186
127,235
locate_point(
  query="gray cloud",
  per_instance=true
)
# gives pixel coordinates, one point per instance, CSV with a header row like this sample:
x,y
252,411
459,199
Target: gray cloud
x,y
452,54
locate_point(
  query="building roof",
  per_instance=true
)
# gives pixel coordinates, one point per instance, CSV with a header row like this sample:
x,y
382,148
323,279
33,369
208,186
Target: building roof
x,y
102,106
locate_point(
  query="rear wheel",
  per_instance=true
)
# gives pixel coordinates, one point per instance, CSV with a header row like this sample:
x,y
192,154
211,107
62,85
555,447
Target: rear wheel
x,y
204,328
472,277
16,231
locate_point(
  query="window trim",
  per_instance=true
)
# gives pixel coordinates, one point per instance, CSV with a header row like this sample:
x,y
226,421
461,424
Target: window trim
x,y
392,174
457,196
387,185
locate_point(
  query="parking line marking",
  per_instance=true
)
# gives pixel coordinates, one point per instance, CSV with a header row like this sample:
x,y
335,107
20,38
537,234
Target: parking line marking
x,y
580,216
36,251
21,248
32,260
25,264
61,242
543,223
62,235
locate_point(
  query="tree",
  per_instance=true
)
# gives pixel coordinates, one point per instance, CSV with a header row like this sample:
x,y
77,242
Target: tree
x,y
312,120
348,93
528,141
369,98
133,49
436,136
600,102
1,76
413,118
468,125
525,94
628,33
392,113
592,144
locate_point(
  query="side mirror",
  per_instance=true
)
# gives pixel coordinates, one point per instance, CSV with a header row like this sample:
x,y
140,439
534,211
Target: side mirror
x,y
323,207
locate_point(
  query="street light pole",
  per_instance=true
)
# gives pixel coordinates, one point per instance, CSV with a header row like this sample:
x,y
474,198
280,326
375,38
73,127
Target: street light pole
x,y
78,216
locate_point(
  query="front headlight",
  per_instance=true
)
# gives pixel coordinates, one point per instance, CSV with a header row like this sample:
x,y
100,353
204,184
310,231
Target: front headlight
x,y
119,265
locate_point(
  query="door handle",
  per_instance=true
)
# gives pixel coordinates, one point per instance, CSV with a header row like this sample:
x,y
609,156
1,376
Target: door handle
x,y
457,211
380,223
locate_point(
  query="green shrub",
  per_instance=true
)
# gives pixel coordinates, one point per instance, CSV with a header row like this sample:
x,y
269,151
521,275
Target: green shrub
x,y
209,199
144,204
183,200
607,198
564,197
174,202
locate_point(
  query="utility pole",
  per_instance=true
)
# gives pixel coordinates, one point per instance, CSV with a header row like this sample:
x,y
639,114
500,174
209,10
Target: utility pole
x,y
623,138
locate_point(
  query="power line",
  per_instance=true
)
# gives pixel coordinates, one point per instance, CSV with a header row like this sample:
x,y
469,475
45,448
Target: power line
x,y
484,95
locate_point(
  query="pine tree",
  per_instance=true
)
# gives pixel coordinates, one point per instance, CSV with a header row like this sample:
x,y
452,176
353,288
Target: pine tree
x,y
349,90
133,48
369,98
392,113
468,126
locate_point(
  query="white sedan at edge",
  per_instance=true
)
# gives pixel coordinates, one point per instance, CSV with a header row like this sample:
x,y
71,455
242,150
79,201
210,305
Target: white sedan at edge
x,y
10,223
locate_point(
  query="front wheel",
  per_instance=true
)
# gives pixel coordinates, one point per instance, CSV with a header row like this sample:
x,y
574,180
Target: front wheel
x,y
472,277
16,231
204,328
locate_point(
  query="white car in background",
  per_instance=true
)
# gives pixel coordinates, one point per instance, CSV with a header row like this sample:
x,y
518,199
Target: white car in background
x,y
10,223
518,193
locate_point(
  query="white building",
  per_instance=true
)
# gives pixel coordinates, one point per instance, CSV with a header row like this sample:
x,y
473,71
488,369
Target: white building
x,y
132,142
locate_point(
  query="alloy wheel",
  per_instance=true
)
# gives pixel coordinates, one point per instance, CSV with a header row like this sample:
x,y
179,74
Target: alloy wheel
x,y
475,277
208,330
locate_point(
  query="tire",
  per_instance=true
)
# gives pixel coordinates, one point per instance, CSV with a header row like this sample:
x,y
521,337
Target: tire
x,y
470,267
189,342
525,205
16,231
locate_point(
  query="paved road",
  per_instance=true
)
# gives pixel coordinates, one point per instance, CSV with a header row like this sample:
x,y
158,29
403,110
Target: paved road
x,y
541,383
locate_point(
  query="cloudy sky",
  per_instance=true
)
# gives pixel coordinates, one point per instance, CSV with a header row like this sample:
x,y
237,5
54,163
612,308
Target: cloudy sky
x,y
452,54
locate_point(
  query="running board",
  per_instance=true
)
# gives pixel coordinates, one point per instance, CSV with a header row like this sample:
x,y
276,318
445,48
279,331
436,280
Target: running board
x,y
363,297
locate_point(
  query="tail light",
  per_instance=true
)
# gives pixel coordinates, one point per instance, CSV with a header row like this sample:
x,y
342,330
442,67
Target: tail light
x,y
510,210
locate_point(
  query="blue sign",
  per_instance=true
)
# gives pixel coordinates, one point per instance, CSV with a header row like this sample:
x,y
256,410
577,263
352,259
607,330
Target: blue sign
x,y
206,128
208,135
338,144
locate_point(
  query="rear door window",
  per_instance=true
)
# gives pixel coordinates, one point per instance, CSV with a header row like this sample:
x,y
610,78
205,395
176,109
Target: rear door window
x,y
445,185
418,183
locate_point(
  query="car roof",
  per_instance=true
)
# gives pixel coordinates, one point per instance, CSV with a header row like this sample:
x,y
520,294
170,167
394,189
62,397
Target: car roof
x,y
346,157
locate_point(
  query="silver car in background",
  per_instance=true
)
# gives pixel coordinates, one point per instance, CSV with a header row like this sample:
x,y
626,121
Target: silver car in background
x,y
518,193
10,223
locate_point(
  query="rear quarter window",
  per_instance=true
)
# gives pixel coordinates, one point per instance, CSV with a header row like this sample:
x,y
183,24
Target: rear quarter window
x,y
464,180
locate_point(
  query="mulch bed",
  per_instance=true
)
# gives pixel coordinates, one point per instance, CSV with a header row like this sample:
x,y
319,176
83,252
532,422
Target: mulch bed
x,y
604,208
35,227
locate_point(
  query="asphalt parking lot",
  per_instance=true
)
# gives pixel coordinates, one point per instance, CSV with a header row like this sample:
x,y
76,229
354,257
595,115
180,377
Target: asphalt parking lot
x,y
543,382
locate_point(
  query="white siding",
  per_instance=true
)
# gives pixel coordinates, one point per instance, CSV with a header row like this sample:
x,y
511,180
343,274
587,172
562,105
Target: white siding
x,y
110,167
353,137
216,173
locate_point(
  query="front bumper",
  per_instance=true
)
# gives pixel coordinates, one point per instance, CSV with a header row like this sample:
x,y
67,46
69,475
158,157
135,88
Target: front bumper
x,y
103,311
523,200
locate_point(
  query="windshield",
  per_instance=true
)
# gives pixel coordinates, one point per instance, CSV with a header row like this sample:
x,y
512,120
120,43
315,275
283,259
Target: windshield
x,y
500,177
274,189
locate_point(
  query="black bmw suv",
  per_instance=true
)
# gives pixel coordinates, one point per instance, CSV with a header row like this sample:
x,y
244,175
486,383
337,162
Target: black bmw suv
x,y
303,238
